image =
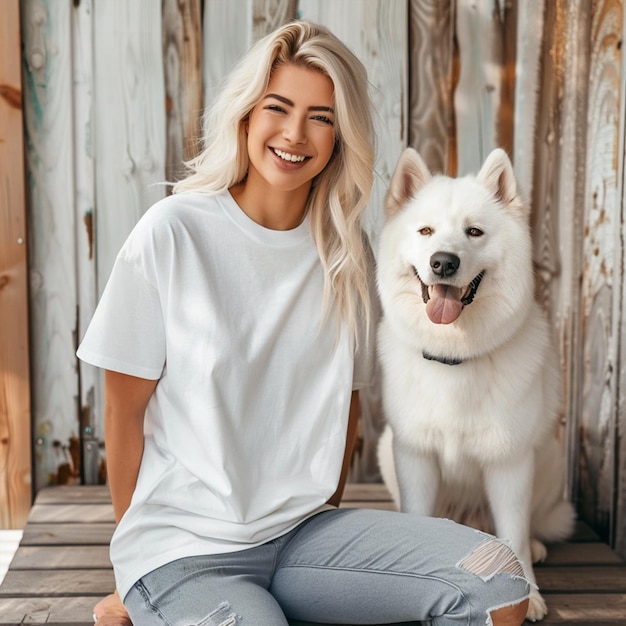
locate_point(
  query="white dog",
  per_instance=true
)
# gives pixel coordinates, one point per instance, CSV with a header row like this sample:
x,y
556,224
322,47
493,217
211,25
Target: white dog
x,y
469,379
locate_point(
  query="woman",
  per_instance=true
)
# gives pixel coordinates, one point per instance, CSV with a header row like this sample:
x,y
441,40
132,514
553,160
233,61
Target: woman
x,y
235,333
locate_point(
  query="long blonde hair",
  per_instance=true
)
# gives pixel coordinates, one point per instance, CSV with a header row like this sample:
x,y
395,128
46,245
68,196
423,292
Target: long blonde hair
x,y
339,194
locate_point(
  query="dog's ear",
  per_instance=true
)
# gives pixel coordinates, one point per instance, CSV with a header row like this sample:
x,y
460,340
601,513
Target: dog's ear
x,y
497,175
410,176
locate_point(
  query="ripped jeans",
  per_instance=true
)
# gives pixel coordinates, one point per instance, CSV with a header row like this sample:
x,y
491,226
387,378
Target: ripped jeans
x,y
345,566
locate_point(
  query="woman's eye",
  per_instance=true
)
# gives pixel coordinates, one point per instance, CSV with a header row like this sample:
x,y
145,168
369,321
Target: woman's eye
x,y
324,120
275,107
426,231
472,231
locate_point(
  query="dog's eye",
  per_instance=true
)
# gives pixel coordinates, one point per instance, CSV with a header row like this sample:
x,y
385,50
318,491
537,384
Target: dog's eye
x,y
426,231
472,231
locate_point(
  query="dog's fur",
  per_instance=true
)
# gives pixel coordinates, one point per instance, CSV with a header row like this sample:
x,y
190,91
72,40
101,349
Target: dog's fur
x,y
469,378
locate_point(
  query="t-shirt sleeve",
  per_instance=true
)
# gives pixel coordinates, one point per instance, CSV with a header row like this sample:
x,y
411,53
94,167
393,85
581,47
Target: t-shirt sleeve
x,y
126,333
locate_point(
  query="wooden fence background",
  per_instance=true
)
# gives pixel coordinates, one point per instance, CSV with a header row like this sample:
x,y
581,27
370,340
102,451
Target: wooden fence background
x,y
110,93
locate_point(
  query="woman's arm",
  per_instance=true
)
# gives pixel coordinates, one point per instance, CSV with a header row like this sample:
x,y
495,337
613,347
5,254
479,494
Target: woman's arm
x,y
126,399
353,422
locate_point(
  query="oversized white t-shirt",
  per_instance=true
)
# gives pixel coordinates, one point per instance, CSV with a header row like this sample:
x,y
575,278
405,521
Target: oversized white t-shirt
x,y
245,433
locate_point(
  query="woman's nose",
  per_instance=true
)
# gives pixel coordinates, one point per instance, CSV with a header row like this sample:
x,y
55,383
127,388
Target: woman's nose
x,y
294,130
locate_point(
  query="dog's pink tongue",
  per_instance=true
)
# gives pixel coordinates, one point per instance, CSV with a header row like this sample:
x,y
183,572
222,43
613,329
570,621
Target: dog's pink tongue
x,y
444,305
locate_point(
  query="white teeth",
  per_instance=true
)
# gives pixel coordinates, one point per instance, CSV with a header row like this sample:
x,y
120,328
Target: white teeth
x,y
293,158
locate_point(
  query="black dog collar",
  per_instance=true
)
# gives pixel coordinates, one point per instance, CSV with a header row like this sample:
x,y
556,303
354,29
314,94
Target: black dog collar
x,y
441,359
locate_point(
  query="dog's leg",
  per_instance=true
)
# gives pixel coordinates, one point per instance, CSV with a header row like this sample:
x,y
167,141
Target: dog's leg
x,y
418,479
509,489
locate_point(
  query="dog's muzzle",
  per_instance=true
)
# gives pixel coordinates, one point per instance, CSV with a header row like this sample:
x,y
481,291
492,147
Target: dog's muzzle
x,y
444,302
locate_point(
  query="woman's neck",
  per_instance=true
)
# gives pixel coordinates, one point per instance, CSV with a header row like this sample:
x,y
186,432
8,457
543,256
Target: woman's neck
x,y
270,207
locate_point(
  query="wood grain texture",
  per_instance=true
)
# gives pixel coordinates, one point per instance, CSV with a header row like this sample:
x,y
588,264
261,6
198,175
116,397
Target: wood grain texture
x,y
602,273
620,512
477,98
268,15
15,407
182,60
602,609
95,533
67,557
83,513
58,582
561,295
47,36
430,81
51,611
62,494
130,114
90,383
527,65
220,54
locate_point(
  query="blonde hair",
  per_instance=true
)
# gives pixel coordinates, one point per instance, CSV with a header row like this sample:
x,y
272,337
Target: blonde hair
x,y
339,194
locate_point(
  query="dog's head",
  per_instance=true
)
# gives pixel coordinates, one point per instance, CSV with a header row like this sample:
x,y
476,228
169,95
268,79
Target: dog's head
x,y
450,243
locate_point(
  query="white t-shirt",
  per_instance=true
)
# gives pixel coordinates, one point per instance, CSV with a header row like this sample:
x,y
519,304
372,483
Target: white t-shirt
x,y
245,433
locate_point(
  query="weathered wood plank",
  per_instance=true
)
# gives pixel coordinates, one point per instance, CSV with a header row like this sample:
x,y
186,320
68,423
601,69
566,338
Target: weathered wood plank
x,y
221,53
76,513
431,54
526,64
97,533
64,494
63,557
130,129
182,58
76,611
620,513
478,93
15,407
571,554
602,272
268,15
58,582
366,492
47,36
91,419
585,609
582,579
567,203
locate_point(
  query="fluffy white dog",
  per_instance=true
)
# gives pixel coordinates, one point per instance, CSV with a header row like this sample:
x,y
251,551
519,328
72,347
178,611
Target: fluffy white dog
x,y
469,377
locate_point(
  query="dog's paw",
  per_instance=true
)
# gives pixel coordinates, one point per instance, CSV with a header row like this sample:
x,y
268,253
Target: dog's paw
x,y
538,551
537,608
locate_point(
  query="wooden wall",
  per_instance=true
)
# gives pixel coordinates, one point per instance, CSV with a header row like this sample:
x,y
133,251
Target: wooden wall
x,y
15,415
113,93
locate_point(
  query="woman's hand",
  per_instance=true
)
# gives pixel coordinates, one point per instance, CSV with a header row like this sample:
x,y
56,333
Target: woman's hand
x,y
111,612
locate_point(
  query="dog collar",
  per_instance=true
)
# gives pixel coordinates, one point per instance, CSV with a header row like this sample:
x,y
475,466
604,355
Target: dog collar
x,y
441,359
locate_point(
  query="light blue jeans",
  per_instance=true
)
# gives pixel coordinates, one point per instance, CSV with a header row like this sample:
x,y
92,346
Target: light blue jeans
x,y
345,566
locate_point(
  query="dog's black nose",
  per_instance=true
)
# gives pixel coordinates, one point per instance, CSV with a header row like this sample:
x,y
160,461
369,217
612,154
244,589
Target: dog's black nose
x,y
444,263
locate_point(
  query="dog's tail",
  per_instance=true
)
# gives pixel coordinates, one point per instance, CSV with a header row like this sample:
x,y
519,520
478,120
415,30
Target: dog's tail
x,y
555,523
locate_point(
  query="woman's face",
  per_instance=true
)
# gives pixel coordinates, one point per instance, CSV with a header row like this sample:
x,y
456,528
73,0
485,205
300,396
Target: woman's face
x,y
291,132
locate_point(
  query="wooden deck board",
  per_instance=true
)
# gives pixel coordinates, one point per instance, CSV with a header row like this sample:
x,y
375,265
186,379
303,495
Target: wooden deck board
x,y
62,564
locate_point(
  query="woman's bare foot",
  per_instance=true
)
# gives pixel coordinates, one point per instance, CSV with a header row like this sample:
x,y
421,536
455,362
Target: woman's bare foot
x,y
111,612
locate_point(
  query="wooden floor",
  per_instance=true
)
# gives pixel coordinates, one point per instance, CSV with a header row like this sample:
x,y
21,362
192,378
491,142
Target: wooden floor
x,y
62,564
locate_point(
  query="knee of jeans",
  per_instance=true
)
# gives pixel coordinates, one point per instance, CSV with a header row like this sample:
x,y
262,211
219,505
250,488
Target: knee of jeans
x,y
493,557
221,616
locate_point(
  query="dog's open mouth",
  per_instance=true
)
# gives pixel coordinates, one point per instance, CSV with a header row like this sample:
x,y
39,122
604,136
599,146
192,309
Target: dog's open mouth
x,y
444,303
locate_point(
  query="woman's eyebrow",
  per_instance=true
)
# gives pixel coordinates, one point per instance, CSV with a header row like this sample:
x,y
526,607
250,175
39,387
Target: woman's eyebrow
x,y
290,103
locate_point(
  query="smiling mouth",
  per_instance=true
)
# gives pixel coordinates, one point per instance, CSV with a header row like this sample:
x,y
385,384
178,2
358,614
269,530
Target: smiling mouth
x,y
444,303
291,158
